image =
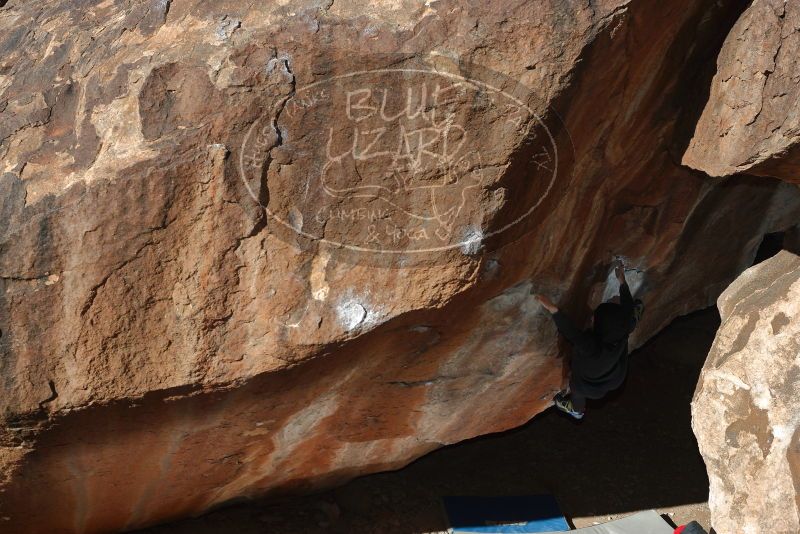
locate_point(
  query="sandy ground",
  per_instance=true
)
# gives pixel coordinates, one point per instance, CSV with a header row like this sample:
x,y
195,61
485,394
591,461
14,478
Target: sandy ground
x,y
633,451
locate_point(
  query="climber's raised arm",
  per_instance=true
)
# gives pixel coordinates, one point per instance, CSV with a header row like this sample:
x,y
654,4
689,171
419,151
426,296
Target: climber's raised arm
x,y
625,297
564,324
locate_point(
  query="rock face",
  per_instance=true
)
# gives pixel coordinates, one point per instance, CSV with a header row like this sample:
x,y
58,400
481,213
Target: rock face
x,y
752,120
745,412
269,248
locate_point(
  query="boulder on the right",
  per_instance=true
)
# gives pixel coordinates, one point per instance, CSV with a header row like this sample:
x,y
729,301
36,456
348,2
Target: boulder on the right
x,y
746,409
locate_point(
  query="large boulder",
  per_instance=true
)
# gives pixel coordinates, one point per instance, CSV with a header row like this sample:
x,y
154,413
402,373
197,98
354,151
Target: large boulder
x,y
745,410
751,122
228,269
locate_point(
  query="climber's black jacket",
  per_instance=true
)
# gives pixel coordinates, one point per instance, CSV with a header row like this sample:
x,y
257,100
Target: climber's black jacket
x,y
600,355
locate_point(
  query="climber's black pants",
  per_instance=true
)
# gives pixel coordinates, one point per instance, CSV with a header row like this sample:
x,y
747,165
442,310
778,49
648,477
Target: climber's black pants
x,y
579,390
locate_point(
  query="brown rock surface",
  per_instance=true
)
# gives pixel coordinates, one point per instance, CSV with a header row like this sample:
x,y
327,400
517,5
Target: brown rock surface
x,y
180,325
751,122
744,411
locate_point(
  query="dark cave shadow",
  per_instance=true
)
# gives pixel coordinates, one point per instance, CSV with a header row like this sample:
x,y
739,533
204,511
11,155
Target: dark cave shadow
x,y
634,450
635,447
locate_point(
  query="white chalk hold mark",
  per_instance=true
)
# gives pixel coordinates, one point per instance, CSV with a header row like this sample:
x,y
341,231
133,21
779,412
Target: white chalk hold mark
x,y
472,242
351,313
633,275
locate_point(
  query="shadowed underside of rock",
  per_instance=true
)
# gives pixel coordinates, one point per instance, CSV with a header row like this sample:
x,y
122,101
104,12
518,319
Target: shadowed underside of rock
x,y
193,305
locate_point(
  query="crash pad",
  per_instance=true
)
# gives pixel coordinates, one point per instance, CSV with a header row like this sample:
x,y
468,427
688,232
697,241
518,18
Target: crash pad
x,y
504,514
649,522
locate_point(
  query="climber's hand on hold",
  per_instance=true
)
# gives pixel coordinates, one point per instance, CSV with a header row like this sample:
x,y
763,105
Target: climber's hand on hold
x,y
548,304
619,271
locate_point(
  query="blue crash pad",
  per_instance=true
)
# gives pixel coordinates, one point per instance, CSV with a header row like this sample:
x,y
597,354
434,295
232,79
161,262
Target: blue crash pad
x,y
528,513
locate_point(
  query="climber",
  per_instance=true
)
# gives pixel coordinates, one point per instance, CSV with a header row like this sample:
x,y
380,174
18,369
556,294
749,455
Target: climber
x,y
600,355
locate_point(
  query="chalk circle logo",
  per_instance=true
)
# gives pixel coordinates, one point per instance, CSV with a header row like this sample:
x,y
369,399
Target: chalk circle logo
x,y
395,161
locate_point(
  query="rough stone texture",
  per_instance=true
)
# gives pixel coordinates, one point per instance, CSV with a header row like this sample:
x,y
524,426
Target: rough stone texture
x,y
167,346
744,411
751,122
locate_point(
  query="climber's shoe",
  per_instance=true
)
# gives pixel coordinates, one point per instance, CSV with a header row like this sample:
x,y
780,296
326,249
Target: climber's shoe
x,y
565,405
